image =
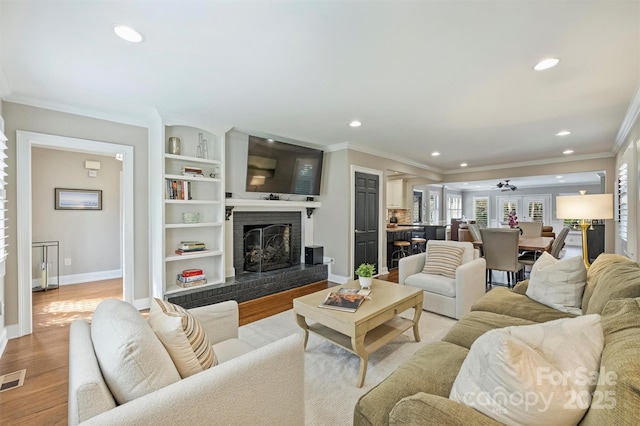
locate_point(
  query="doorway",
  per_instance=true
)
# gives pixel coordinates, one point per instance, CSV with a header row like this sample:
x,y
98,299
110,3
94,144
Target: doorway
x,y
25,142
366,219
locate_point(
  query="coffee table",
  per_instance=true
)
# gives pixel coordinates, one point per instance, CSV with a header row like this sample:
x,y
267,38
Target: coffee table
x,y
373,325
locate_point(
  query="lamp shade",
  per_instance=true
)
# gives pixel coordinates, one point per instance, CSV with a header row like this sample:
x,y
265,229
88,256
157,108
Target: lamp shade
x,y
588,206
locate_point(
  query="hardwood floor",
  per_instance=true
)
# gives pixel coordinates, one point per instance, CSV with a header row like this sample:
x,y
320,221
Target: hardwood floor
x,y
42,400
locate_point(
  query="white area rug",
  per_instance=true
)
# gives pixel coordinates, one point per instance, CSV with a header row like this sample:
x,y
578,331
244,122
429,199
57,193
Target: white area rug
x,y
331,373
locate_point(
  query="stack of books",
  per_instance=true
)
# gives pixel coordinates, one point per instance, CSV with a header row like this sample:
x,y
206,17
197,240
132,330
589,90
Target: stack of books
x,y
191,277
191,247
192,171
177,189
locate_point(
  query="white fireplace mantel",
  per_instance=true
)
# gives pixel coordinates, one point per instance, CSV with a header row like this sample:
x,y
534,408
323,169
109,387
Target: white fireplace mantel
x,y
294,205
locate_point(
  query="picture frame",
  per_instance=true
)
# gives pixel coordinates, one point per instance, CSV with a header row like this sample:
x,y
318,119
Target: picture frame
x,y
78,199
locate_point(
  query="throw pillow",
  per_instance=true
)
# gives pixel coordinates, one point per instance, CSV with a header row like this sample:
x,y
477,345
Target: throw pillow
x,y
558,284
182,336
131,358
536,374
442,259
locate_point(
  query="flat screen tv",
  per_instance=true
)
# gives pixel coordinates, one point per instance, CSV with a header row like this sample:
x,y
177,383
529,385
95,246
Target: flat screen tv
x,y
283,168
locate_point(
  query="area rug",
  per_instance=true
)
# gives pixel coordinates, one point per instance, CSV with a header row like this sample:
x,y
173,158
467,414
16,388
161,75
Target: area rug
x,y
331,372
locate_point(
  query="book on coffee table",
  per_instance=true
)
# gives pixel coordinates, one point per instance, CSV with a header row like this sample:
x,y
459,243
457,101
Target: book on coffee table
x,y
342,301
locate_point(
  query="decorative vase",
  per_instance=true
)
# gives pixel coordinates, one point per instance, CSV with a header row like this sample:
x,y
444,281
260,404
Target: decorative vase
x,y
365,282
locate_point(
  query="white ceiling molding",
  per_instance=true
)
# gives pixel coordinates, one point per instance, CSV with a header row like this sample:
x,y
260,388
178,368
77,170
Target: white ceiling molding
x,y
372,151
563,159
630,118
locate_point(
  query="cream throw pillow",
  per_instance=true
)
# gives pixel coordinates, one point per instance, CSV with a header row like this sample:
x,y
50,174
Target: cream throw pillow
x,y
182,336
442,259
558,284
541,374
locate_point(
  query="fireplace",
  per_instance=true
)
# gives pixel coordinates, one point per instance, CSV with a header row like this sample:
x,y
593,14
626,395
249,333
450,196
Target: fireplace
x,y
267,247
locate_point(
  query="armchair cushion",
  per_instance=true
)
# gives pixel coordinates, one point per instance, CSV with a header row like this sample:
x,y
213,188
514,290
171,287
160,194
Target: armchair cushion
x,y
132,359
433,283
442,259
183,337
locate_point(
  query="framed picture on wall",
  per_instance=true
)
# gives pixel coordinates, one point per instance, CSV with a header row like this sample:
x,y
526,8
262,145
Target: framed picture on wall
x,y
78,199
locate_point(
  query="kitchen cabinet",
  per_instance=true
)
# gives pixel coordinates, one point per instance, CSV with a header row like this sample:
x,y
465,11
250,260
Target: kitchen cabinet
x,y
395,194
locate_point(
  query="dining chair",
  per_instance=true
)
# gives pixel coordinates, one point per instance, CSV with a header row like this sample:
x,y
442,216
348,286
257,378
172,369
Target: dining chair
x,y
500,248
530,257
531,229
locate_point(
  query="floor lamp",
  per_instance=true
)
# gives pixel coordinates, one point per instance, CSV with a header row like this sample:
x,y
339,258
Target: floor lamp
x,y
585,208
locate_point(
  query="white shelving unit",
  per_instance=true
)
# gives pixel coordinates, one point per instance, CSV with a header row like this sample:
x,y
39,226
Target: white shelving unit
x,y
207,199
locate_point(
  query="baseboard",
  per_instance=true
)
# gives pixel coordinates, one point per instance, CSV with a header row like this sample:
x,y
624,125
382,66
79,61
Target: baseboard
x,y
229,272
82,278
338,279
3,341
383,271
141,304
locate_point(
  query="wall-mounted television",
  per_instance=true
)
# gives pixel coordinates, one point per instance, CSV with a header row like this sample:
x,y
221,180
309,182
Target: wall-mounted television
x,y
283,168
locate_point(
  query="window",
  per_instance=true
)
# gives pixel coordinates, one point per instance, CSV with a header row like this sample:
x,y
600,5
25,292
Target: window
x,y
417,206
508,207
454,207
535,211
481,211
623,205
434,211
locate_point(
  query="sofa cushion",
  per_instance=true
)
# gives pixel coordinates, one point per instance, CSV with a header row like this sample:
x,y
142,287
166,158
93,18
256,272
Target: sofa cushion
x,y
620,282
533,374
182,336
604,262
558,284
438,284
475,324
617,396
442,259
432,369
503,301
131,357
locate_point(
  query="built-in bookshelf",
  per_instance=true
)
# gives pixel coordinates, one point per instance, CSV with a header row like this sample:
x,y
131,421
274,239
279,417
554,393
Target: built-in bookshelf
x,y
192,200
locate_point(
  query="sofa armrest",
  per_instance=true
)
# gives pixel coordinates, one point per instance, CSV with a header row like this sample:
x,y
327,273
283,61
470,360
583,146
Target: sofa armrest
x,y
470,285
426,409
88,393
410,265
220,320
265,386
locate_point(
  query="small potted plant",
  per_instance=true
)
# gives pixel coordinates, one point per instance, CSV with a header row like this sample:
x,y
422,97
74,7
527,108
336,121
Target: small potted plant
x,y
365,274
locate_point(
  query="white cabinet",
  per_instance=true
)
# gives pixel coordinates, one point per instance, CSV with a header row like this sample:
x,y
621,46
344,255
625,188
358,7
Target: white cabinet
x,y
191,206
395,194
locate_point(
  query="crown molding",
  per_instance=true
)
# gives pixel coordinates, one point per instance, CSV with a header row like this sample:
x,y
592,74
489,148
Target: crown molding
x,y
383,154
630,118
567,159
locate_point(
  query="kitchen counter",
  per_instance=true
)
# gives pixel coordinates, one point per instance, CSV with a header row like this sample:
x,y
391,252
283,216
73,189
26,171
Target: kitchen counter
x,y
405,232
402,228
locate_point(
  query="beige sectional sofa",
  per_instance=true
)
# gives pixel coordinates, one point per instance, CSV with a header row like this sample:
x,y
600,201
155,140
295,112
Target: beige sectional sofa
x,y
248,386
417,392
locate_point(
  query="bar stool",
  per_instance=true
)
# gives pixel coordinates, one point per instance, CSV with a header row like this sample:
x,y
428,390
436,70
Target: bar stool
x,y
400,252
417,243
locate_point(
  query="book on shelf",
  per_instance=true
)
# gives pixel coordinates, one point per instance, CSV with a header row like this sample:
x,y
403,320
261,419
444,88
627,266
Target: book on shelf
x,y
191,278
192,170
187,252
191,272
345,301
191,245
191,283
178,189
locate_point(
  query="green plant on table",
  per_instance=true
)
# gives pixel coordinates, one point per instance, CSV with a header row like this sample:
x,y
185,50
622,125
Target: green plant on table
x,y
365,270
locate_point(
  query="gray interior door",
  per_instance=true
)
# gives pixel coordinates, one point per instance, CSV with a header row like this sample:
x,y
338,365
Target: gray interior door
x,y
366,220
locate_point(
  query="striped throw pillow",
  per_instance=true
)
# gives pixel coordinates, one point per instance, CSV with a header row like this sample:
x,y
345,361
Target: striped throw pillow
x,y
183,337
442,259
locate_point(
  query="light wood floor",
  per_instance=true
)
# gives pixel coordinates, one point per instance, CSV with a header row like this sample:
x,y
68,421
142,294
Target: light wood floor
x,y
42,400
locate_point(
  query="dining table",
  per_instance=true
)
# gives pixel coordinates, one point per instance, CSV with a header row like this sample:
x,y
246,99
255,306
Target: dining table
x,y
535,244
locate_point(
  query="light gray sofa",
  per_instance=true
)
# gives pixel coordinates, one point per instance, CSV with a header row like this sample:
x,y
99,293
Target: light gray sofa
x,y
452,297
248,386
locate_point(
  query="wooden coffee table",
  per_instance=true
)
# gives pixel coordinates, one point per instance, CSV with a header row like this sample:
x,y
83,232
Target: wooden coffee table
x,y
373,325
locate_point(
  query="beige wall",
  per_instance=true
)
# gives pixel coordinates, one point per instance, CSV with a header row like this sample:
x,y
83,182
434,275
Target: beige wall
x,y
22,117
91,239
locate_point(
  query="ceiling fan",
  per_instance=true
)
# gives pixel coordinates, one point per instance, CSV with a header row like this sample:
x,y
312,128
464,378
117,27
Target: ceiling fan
x,y
506,186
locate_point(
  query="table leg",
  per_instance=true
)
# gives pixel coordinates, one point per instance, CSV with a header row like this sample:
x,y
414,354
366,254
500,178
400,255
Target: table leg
x,y
305,327
357,343
416,320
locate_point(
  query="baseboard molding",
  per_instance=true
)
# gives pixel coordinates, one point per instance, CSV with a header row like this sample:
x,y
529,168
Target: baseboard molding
x,y
339,279
82,278
383,271
3,341
229,272
141,304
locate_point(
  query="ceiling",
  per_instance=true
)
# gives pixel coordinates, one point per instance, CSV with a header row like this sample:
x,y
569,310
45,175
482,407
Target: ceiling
x,y
421,76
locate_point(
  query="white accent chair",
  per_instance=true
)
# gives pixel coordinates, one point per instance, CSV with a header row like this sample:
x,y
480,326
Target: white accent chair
x,y
451,297
248,386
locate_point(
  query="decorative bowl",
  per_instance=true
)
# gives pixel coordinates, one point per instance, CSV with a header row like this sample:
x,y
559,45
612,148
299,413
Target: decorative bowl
x,y
191,217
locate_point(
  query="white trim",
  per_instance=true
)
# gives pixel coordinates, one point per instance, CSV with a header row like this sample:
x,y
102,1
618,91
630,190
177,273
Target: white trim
x,y
12,331
141,304
630,118
81,278
386,155
338,279
279,204
24,142
382,236
3,341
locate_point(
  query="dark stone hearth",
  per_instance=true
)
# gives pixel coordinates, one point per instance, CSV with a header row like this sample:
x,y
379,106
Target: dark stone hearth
x,y
250,286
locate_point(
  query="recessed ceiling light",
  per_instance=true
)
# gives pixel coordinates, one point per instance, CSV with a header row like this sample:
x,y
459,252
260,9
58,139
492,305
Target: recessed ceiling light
x,y
463,164
435,153
355,123
466,183
563,133
567,151
559,177
127,33
545,64
270,140
561,181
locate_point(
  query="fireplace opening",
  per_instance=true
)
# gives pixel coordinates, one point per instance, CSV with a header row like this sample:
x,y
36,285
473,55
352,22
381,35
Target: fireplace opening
x,y
267,247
